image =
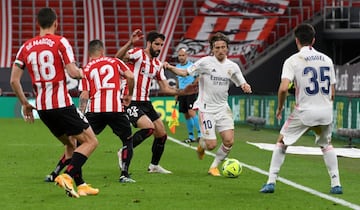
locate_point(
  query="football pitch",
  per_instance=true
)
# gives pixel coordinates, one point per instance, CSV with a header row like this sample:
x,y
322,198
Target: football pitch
x,y
29,152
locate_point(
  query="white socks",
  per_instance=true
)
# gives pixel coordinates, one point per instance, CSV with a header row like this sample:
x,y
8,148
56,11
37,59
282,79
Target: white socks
x,y
221,154
331,163
277,160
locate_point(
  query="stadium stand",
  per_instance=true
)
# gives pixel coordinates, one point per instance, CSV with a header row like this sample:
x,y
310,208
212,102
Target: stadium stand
x,y
113,21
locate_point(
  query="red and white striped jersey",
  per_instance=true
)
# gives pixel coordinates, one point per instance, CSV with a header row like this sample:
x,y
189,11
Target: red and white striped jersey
x,y
45,58
103,81
145,69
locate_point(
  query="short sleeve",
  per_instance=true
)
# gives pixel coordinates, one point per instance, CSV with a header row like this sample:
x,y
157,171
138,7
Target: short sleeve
x,y
287,71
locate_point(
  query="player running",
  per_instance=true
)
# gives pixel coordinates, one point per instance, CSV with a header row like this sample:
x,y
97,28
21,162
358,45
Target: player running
x,y
215,73
47,57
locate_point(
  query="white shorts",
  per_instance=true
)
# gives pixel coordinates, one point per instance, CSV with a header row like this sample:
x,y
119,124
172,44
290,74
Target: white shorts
x,y
294,128
212,122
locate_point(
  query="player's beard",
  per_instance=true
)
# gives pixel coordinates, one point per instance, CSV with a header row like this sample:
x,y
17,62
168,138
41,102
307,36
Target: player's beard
x,y
154,53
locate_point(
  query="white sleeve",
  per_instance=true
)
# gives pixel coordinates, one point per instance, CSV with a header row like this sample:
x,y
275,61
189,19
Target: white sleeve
x,y
287,71
192,69
198,67
237,77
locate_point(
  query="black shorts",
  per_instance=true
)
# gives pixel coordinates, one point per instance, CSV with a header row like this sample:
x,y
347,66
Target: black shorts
x,y
68,120
118,122
186,102
136,109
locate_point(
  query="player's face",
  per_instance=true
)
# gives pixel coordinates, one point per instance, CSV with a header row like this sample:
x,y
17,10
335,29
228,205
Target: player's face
x,y
155,47
220,50
182,56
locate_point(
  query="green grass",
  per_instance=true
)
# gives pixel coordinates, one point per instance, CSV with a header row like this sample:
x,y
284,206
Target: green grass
x,y
28,152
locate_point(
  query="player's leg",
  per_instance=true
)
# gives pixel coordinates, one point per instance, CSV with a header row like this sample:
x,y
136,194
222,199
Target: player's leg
x,y
224,149
63,162
183,108
189,127
139,119
193,115
323,139
195,119
120,125
224,124
277,159
158,146
290,132
208,140
146,129
76,125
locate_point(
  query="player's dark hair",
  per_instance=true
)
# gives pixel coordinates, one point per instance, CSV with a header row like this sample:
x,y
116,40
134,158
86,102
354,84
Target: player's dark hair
x,y
94,46
218,37
305,33
46,17
152,35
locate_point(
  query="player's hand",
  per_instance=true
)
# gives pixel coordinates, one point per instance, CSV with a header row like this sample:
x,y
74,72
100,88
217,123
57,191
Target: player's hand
x,y
191,89
279,113
246,88
28,113
166,65
136,36
81,74
126,100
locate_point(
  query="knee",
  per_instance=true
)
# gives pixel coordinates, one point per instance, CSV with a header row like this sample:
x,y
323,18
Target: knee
x,y
150,131
210,145
326,147
94,142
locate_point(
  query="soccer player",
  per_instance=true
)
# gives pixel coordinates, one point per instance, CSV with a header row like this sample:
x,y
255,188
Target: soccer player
x,y
46,57
215,73
314,78
186,102
147,67
101,86
62,163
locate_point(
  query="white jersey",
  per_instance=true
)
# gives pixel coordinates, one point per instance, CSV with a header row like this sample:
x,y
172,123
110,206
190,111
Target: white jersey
x,y
312,73
214,82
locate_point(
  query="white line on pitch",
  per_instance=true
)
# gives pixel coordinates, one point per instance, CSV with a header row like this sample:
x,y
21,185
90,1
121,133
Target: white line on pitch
x,y
283,180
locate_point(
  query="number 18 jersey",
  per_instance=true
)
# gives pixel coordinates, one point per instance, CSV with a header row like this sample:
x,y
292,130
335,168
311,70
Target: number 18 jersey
x,y
45,58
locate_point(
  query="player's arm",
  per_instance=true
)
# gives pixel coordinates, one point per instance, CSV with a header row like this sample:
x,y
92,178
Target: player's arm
x,y
83,100
175,70
130,83
73,71
15,78
165,88
238,79
282,93
332,86
122,52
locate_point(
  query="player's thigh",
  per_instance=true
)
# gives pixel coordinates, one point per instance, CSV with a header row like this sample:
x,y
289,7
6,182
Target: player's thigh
x,y
323,138
183,108
227,137
224,120
136,115
208,125
119,124
96,121
67,120
292,130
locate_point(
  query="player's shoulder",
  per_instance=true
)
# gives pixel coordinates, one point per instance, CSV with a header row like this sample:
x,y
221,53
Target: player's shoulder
x,y
326,57
135,50
231,62
205,59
